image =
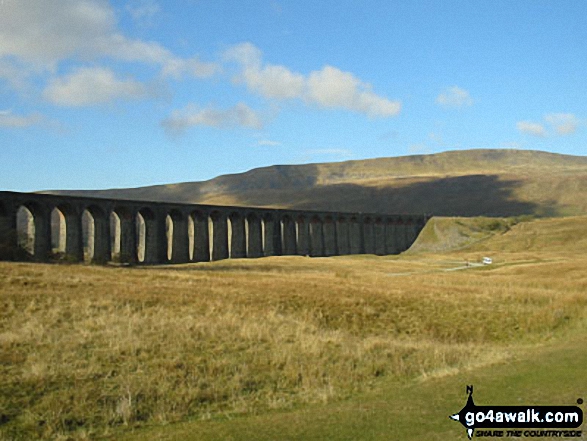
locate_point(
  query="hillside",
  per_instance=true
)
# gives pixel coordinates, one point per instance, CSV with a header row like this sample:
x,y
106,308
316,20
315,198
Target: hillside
x,y
559,235
456,183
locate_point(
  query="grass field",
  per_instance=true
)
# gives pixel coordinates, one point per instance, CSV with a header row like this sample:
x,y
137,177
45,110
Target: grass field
x,y
357,347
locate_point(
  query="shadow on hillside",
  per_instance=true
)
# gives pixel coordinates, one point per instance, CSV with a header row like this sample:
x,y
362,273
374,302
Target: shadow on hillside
x,y
473,195
290,187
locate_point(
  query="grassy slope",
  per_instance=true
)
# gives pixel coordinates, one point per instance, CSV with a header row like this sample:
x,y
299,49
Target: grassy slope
x,y
87,349
458,183
410,411
552,373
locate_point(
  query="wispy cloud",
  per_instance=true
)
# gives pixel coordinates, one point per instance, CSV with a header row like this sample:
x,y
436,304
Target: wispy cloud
x,y
239,115
563,123
328,87
43,34
455,97
531,128
11,121
90,86
143,12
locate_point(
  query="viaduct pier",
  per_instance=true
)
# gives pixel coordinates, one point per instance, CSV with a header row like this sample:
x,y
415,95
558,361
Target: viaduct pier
x,y
41,226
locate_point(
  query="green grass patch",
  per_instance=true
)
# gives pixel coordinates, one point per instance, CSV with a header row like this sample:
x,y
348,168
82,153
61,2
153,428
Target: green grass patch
x,y
414,410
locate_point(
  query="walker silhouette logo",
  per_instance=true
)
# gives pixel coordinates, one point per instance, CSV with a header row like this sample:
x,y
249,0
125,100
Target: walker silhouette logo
x,y
475,417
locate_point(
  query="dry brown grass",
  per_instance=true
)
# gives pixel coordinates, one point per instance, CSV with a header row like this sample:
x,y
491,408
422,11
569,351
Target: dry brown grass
x,y
84,349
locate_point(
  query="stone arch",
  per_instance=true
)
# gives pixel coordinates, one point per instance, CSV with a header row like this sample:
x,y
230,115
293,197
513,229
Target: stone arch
x,y
411,231
153,242
368,235
316,236
379,236
342,235
191,238
40,224
58,231
219,235
177,237
400,234
141,236
68,227
271,235
97,232
125,223
329,234
390,236
238,235
8,233
288,235
202,245
114,223
302,235
254,236
25,230
168,236
356,244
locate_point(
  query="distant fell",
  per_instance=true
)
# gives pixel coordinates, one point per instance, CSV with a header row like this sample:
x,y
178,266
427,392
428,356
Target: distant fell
x,y
455,183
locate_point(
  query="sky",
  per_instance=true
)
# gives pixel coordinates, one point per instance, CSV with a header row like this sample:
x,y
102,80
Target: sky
x,y
97,94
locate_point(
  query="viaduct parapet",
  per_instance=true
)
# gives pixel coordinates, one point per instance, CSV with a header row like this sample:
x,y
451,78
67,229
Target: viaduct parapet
x,y
41,226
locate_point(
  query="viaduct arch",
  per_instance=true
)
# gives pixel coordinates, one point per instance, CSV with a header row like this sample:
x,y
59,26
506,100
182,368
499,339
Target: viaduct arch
x,y
139,232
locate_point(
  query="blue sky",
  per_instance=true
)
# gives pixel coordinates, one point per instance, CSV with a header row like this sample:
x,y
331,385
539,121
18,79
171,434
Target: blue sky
x,y
97,94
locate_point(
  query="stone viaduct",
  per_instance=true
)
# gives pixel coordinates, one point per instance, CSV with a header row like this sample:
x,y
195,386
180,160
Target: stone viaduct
x,y
139,232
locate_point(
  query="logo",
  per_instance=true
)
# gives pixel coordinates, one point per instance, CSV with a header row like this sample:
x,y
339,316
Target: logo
x,y
548,418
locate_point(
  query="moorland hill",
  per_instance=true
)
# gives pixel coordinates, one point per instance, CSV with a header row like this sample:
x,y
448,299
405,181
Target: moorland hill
x,y
455,183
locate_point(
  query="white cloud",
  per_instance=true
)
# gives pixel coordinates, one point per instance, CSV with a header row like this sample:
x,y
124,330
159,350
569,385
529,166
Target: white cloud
x,y
90,86
239,115
177,67
44,33
8,120
271,81
143,12
563,123
531,128
13,74
329,87
274,82
454,97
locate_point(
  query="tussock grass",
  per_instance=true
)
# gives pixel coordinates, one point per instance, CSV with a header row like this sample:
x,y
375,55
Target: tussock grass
x,y
86,350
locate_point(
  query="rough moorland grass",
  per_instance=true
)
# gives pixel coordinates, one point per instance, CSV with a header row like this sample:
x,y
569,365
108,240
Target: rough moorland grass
x,y
85,350
408,411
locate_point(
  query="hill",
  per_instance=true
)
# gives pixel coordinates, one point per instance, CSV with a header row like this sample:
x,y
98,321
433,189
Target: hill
x,y
455,183
558,235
